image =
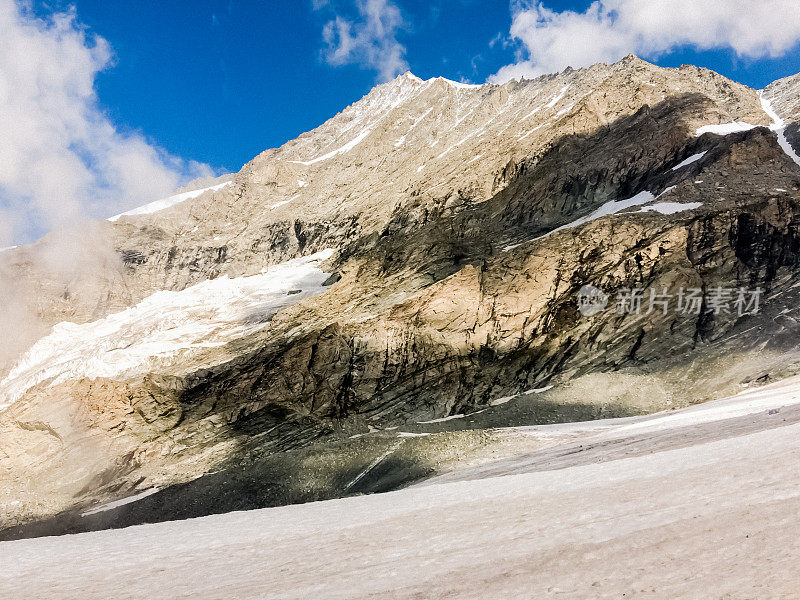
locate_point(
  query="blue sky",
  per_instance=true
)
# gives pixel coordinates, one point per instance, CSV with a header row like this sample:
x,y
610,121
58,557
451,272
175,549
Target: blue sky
x,y
116,103
225,79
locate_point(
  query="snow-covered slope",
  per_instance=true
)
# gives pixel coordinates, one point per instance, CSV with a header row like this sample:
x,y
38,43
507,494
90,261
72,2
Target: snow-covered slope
x,y
784,97
705,506
165,326
426,138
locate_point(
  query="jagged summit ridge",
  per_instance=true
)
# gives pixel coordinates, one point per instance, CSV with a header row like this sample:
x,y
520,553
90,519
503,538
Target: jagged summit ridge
x,y
420,131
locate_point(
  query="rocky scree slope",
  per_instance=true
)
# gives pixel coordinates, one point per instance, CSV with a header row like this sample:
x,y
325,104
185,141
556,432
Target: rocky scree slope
x,y
463,219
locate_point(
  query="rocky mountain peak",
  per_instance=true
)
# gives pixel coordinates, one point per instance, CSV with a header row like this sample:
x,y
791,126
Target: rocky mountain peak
x,y
632,60
407,142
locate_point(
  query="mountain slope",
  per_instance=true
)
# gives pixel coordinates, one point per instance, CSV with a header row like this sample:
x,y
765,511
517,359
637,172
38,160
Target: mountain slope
x,y
466,143
464,222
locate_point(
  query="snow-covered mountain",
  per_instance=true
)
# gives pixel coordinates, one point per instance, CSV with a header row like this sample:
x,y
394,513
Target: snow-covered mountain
x,y
215,336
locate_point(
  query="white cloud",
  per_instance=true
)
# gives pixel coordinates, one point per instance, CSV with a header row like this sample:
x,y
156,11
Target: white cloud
x,y
370,42
610,29
61,158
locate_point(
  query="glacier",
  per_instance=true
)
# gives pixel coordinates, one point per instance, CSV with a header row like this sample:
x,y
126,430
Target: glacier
x,y
165,326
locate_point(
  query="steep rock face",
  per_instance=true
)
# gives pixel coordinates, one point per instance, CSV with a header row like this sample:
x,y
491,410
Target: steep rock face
x,y
466,219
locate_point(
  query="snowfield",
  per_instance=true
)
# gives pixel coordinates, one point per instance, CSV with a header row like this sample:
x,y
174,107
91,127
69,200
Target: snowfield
x,y
698,503
165,325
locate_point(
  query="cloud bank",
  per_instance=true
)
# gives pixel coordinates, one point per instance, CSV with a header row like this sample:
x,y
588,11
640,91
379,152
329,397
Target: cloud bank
x,y
61,158
370,41
610,29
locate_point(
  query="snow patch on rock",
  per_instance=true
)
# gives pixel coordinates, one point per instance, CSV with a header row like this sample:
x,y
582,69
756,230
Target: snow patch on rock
x,y
557,97
441,420
779,127
610,208
692,159
670,208
725,128
122,502
457,84
168,202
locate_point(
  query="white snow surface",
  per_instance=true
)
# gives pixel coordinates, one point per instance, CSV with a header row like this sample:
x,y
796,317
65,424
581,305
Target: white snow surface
x,y
692,159
766,104
609,208
725,128
750,402
458,84
165,326
167,202
537,128
441,420
503,400
616,507
345,148
557,97
283,202
416,122
540,390
365,115
457,144
614,206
